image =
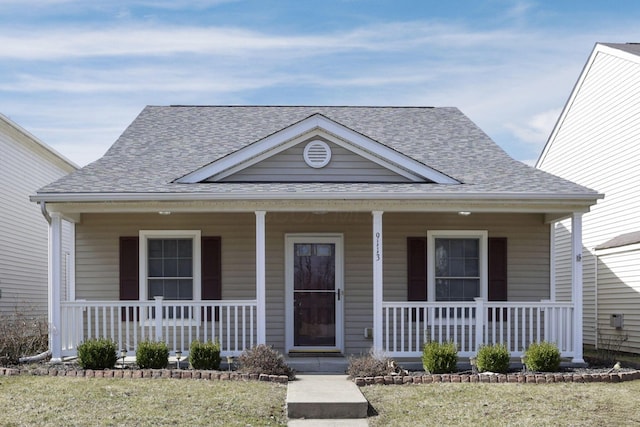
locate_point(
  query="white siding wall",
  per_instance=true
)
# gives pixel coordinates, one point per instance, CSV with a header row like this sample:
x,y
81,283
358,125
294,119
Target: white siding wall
x,y
528,241
24,167
619,292
597,145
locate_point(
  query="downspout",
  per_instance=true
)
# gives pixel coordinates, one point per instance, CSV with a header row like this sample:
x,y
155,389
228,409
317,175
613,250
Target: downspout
x,y
595,291
45,213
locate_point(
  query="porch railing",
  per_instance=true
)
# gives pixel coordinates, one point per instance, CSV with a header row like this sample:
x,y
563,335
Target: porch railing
x,y
177,323
407,326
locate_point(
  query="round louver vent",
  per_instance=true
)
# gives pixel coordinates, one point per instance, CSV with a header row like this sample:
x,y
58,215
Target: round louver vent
x,y
317,154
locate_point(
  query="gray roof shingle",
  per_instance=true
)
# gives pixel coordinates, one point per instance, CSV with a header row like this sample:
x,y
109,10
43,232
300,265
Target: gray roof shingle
x,y
167,142
633,48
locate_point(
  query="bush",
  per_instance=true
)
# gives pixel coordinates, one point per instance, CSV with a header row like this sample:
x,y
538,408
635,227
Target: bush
x,y
97,354
542,357
440,358
22,335
493,358
263,359
370,365
152,355
204,355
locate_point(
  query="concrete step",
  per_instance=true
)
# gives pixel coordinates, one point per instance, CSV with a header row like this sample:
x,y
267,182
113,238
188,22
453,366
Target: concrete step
x,y
318,364
325,397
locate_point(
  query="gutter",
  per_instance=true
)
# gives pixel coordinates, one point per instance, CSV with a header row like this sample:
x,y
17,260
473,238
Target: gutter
x,y
301,195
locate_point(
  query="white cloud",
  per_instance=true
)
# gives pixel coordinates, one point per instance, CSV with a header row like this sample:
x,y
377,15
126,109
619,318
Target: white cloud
x,y
537,128
89,82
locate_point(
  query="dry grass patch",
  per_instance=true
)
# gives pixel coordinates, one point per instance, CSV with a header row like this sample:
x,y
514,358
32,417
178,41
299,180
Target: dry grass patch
x,y
593,404
56,401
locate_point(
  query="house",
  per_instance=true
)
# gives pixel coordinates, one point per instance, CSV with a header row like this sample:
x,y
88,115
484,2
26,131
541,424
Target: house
x,y
26,164
595,143
317,230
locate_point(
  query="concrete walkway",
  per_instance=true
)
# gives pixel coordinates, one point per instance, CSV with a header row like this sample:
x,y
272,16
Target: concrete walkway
x,y
325,400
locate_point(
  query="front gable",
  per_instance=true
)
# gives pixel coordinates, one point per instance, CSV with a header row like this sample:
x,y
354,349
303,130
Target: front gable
x,y
317,149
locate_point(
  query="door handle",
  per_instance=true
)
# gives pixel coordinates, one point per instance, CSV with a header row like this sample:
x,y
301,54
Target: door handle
x,y
338,292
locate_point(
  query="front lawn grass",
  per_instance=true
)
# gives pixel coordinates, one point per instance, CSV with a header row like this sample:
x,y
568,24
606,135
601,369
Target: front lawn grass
x,y
57,401
564,404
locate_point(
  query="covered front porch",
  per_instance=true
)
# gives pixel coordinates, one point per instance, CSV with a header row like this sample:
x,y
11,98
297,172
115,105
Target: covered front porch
x,y
371,306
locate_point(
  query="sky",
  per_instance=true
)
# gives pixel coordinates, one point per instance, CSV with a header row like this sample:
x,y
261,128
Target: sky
x,y
75,73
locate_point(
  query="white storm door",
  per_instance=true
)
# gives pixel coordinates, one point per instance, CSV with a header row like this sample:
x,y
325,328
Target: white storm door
x,y
314,292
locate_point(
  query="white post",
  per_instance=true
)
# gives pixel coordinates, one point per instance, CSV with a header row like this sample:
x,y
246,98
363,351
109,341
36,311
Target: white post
x,y
158,318
55,283
261,309
552,261
377,280
480,323
576,285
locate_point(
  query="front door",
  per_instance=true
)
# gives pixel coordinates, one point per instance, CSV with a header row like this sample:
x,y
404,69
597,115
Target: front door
x,y
314,293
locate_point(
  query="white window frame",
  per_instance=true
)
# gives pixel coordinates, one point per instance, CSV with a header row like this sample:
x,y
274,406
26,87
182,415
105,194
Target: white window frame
x,y
145,235
481,235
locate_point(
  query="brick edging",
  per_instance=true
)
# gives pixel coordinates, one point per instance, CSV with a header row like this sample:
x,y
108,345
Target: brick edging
x,y
522,378
146,373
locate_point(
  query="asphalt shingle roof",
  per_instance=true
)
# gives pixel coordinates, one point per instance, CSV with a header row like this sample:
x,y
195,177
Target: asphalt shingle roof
x,y
633,48
165,143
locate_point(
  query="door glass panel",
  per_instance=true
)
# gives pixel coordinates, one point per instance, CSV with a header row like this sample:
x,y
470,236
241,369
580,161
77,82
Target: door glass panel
x,y
315,319
316,269
314,288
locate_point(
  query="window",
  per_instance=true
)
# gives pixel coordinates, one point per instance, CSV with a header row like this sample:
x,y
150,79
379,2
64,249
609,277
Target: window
x,y
170,268
457,265
170,264
457,269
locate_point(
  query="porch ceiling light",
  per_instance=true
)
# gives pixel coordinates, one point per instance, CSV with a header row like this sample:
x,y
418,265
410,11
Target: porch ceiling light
x,y
164,212
464,213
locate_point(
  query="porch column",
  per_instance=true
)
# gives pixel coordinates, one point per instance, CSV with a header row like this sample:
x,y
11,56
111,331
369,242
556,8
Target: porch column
x,y
261,309
377,280
54,286
576,285
71,263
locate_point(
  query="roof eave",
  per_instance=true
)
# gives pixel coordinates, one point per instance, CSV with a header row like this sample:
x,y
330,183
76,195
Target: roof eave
x,y
588,199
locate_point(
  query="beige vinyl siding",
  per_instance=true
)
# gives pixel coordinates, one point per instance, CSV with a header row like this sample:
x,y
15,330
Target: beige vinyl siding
x,y
289,165
98,235
619,293
25,166
596,145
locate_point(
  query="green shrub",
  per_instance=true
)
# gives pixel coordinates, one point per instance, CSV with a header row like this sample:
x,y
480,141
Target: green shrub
x,y
370,365
97,354
493,358
440,358
152,355
263,359
204,355
542,357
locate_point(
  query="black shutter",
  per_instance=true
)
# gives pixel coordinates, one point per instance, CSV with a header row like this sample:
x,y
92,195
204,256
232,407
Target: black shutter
x,y
497,273
211,249
416,268
129,276
416,272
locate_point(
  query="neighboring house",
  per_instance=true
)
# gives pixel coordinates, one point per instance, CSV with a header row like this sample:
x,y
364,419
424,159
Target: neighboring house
x,y
26,164
596,142
314,230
